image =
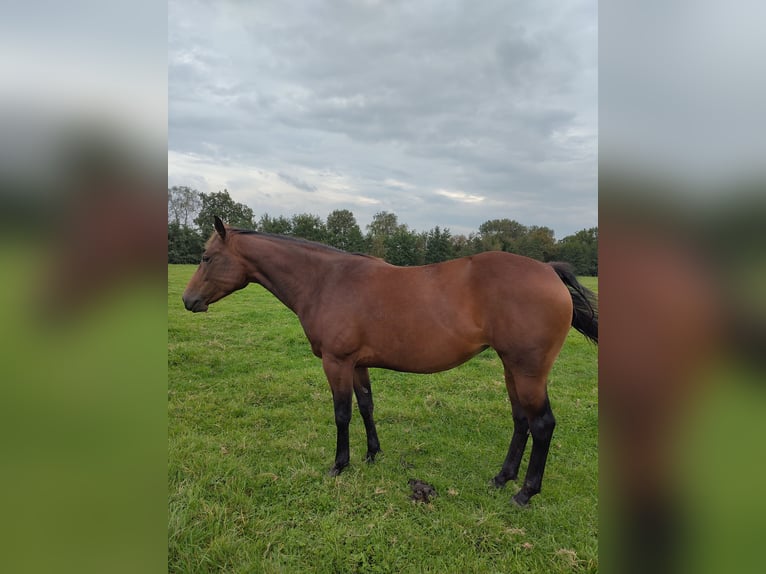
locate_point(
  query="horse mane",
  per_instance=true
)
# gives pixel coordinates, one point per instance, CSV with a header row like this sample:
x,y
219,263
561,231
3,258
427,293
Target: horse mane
x,y
297,240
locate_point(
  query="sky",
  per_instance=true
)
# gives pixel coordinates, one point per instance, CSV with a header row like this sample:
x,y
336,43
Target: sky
x,y
446,113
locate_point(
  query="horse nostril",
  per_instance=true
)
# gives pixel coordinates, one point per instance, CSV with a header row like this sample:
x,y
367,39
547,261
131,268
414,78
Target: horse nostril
x,y
194,304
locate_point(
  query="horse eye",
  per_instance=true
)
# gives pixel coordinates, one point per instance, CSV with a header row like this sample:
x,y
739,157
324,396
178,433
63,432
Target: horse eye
x,y
205,258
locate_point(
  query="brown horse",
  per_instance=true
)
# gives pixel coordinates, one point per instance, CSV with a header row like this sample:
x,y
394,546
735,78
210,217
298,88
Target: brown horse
x,y
359,312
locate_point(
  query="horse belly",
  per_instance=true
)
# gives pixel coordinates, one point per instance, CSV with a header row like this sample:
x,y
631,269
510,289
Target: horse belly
x,y
420,352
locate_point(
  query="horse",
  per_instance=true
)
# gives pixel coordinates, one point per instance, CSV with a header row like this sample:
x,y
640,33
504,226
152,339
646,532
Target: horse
x,y
358,312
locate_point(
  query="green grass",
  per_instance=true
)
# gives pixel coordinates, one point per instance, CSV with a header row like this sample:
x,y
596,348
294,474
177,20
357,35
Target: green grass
x,y
252,434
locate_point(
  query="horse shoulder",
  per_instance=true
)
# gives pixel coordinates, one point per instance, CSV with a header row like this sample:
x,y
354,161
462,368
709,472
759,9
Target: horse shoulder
x,y
332,324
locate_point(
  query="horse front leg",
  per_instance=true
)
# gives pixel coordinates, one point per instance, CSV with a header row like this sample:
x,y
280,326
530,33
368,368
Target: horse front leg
x,y
340,375
363,392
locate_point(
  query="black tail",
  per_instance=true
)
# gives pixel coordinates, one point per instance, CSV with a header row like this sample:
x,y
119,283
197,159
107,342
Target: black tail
x,y
585,314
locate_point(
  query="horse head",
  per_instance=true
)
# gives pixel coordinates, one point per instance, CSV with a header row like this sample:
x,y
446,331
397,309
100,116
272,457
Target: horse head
x,y
220,272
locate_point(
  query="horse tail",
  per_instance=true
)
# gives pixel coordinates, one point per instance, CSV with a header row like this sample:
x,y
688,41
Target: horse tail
x,y
585,312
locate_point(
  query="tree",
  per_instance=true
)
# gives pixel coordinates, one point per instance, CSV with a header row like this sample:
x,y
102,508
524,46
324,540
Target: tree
x,y
463,246
401,247
384,225
309,227
343,231
183,204
185,245
581,250
500,235
222,205
279,225
538,243
438,245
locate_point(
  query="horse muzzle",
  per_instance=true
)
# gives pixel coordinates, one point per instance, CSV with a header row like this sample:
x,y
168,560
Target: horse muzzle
x,y
194,305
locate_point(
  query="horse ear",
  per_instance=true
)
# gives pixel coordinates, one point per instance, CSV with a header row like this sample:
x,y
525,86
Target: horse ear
x,y
219,227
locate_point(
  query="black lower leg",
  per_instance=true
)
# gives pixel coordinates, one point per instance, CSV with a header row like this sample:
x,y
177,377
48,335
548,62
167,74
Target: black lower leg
x,y
541,427
510,469
363,393
342,419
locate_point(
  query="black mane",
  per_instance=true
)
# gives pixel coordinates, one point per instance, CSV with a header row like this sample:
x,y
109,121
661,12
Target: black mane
x,y
297,240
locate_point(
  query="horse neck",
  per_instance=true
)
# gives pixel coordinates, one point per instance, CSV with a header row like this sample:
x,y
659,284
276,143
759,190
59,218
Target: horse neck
x,y
290,271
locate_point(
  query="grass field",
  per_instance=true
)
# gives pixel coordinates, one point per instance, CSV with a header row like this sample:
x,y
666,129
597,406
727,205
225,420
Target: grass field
x,y
251,435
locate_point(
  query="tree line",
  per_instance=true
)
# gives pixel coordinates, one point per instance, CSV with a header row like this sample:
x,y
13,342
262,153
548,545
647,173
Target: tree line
x,y
190,223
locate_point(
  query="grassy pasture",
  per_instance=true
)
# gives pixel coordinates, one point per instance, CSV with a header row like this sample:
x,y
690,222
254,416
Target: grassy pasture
x,y
251,435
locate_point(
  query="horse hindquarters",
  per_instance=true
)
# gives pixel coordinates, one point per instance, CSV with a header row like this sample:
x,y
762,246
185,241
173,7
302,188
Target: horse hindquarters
x,y
528,342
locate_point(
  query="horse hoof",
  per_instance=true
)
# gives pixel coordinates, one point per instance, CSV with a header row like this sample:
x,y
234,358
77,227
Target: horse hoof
x,y
370,458
520,499
336,470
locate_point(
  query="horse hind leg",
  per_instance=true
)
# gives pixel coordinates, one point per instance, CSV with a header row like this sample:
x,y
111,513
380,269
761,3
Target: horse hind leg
x,y
533,397
510,469
363,392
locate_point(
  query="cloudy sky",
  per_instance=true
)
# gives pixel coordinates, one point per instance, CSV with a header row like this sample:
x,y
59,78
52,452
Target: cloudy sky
x,y
447,113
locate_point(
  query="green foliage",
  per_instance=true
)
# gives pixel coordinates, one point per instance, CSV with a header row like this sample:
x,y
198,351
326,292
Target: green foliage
x,y
395,242
279,225
438,245
183,204
538,243
343,231
581,250
384,225
500,235
463,246
221,204
185,245
402,247
251,435
311,227
386,237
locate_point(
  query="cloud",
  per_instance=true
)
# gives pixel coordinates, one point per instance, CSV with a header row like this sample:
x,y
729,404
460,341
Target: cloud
x,y
460,196
493,99
297,183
